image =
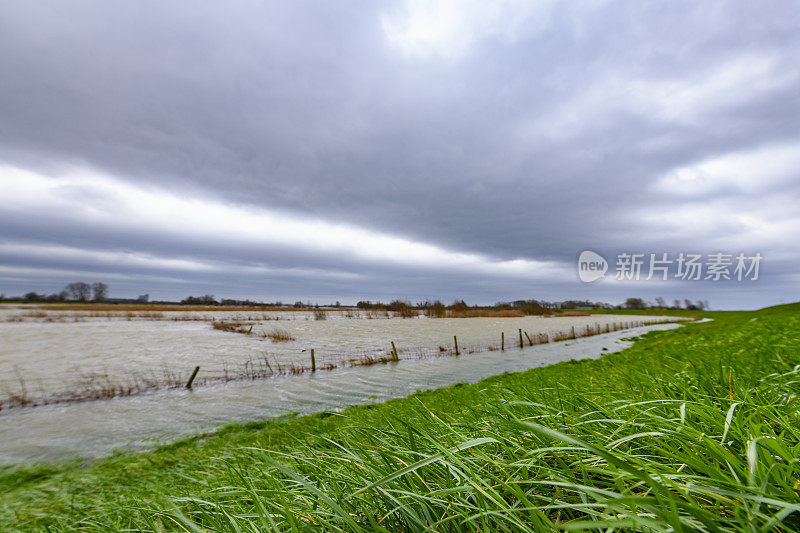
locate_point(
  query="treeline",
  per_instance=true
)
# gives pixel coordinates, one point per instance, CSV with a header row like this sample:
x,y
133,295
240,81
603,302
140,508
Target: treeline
x,y
437,308
660,303
209,299
78,291
530,307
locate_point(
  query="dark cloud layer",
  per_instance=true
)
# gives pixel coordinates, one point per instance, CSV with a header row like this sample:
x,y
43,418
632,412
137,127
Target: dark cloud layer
x,y
511,133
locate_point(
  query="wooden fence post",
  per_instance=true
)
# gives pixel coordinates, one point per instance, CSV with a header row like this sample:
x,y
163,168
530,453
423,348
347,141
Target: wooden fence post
x,y
191,378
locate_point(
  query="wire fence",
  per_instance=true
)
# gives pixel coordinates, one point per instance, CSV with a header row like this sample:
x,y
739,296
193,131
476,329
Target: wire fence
x,y
96,386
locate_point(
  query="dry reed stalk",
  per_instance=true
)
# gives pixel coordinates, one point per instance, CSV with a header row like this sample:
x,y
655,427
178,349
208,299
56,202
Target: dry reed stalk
x,y
279,335
474,313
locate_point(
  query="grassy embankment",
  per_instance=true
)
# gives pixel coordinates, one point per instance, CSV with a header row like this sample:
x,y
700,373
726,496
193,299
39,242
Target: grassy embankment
x,y
695,429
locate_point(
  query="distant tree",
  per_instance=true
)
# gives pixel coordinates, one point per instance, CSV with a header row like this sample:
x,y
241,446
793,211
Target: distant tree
x,y
33,297
298,304
676,304
436,309
79,290
459,305
660,302
100,291
397,305
532,307
403,308
700,305
207,299
337,304
63,295
635,303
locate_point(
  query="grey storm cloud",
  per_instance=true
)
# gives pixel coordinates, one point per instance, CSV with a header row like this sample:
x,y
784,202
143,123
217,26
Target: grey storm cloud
x,y
478,135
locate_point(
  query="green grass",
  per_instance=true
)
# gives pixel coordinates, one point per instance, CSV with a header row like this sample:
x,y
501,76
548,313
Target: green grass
x,y
694,429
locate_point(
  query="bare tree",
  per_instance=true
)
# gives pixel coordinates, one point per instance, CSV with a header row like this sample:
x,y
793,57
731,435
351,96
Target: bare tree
x,y
676,304
100,291
660,302
79,290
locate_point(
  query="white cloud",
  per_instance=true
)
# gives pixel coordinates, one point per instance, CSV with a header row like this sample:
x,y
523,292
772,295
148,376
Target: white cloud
x,y
683,99
449,28
747,171
89,199
765,223
28,273
138,260
731,83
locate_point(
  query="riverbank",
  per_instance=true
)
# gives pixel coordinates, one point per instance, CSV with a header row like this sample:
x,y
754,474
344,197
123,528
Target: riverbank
x,y
693,428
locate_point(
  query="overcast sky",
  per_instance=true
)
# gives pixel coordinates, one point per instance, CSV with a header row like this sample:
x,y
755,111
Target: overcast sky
x,y
370,150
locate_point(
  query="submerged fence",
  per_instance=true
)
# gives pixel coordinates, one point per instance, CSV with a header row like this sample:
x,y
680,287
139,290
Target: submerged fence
x,y
102,386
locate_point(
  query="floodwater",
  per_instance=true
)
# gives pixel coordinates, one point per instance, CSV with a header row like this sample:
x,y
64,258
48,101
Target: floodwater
x,y
52,356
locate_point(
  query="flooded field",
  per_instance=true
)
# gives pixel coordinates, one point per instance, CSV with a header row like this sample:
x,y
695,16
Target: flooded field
x,y
53,354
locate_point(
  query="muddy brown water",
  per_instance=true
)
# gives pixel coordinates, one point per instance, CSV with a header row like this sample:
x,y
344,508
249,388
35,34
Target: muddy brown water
x,y
53,356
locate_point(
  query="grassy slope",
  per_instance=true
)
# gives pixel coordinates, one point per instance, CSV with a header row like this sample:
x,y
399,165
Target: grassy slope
x,y
695,428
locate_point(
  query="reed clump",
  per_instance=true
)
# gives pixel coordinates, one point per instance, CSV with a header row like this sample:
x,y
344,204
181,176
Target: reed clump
x,y
34,314
246,328
475,313
232,326
43,316
155,307
368,360
279,335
